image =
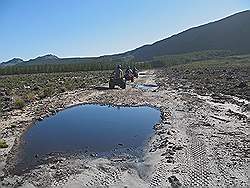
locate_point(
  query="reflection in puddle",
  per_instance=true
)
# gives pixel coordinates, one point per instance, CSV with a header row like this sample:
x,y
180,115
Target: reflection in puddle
x,y
103,130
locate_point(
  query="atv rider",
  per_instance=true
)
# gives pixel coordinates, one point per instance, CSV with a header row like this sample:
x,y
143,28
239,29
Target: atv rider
x,y
129,74
129,71
135,72
118,72
117,78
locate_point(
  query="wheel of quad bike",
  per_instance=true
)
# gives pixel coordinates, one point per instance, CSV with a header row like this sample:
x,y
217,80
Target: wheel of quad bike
x,y
111,85
123,85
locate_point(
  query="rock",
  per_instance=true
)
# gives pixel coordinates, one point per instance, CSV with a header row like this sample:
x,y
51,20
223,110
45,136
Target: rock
x,y
93,155
169,133
175,183
52,166
170,161
242,85
86,167
236,114
40,119
177,148
246,107
207,124
166,122
2,93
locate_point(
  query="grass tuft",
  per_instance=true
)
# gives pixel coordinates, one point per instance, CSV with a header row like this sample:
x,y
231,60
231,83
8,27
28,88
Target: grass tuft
x,y
19,103
3,144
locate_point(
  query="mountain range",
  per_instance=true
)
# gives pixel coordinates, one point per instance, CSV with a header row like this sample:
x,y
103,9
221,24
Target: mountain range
x,y
231,33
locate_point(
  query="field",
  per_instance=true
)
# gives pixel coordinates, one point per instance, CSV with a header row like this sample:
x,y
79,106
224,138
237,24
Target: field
x,y
229,76
201,140
19,90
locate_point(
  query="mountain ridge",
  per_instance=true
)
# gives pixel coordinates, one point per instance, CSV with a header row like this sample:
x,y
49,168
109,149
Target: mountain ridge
x,y
229,33
239,19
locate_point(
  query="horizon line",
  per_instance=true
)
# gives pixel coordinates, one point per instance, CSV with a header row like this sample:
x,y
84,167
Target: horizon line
x,y
128,50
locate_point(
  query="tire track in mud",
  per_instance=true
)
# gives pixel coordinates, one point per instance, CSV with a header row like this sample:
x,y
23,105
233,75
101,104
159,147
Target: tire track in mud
x,y
207,164
103,179
160,175
230,168
196,168
101,175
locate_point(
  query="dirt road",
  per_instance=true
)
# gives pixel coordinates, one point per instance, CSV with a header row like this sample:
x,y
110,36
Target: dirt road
x,y
199,142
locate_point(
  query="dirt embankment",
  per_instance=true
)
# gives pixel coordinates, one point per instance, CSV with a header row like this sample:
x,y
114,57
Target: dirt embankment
x,y
201,141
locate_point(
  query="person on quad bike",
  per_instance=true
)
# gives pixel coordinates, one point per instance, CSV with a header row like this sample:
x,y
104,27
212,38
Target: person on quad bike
x,y
117,78
135,72
128,71
118,72
129,74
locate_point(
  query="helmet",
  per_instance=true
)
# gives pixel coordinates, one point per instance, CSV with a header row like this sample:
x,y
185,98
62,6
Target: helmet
x,y
119,66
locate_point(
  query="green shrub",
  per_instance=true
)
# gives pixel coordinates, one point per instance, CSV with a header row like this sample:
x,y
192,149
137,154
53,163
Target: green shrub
x,y
19,103
3,144
29,96
47,92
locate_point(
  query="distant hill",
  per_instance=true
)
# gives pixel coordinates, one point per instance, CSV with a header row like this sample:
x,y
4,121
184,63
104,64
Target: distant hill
x,y
39,60
12,62
52,59
231,34
49,58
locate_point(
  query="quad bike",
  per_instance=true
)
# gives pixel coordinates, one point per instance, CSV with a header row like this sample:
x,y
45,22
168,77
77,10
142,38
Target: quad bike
x,y
117,82
129,77
135,73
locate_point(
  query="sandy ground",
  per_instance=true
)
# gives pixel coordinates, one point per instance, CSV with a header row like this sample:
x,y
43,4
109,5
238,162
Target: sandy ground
x,y
198,143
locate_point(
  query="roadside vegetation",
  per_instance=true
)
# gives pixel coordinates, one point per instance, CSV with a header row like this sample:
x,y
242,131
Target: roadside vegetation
x,y
74,67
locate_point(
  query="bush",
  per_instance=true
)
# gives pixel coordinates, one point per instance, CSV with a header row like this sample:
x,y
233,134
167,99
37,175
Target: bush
x,y
19,103
3,144
47,92
29,97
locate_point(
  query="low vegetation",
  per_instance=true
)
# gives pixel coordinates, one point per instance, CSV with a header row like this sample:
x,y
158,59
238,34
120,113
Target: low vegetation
x,y
74,67
19,103
3,144
229,75
203,68
171,60
109,63
18,90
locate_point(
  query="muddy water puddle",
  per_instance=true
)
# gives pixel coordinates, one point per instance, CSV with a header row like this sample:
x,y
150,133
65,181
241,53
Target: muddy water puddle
x,y
90,130
147,87
144,87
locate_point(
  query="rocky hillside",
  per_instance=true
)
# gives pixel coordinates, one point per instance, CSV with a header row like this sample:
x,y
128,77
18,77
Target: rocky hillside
x,y
231,33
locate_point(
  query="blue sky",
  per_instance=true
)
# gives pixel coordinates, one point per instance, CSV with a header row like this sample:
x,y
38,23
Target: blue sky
x,y
81,28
